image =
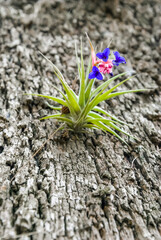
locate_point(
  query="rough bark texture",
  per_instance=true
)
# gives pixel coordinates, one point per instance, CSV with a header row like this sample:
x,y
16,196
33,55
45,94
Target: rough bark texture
x,y
89,186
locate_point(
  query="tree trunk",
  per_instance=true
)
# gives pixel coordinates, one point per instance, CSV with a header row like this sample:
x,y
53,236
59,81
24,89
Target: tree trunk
x,y
87,186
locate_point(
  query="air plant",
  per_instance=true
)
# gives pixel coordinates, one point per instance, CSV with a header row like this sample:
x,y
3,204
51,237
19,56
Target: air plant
x,y
81,111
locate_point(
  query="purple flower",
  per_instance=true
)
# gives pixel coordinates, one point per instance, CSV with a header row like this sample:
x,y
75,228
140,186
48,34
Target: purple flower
x,y
118,59
104,55
95,74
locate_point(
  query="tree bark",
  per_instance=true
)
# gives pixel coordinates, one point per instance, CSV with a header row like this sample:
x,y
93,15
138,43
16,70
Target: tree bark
x,y
86,186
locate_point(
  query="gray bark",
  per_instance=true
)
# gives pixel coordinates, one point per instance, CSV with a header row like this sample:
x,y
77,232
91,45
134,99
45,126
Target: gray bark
x,y
89,186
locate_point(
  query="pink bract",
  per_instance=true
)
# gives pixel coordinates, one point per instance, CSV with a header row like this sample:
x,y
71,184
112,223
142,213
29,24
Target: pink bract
x,y
106,67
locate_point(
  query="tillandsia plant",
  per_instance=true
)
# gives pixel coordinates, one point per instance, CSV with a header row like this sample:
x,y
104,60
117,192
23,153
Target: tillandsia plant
x,y
81,111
